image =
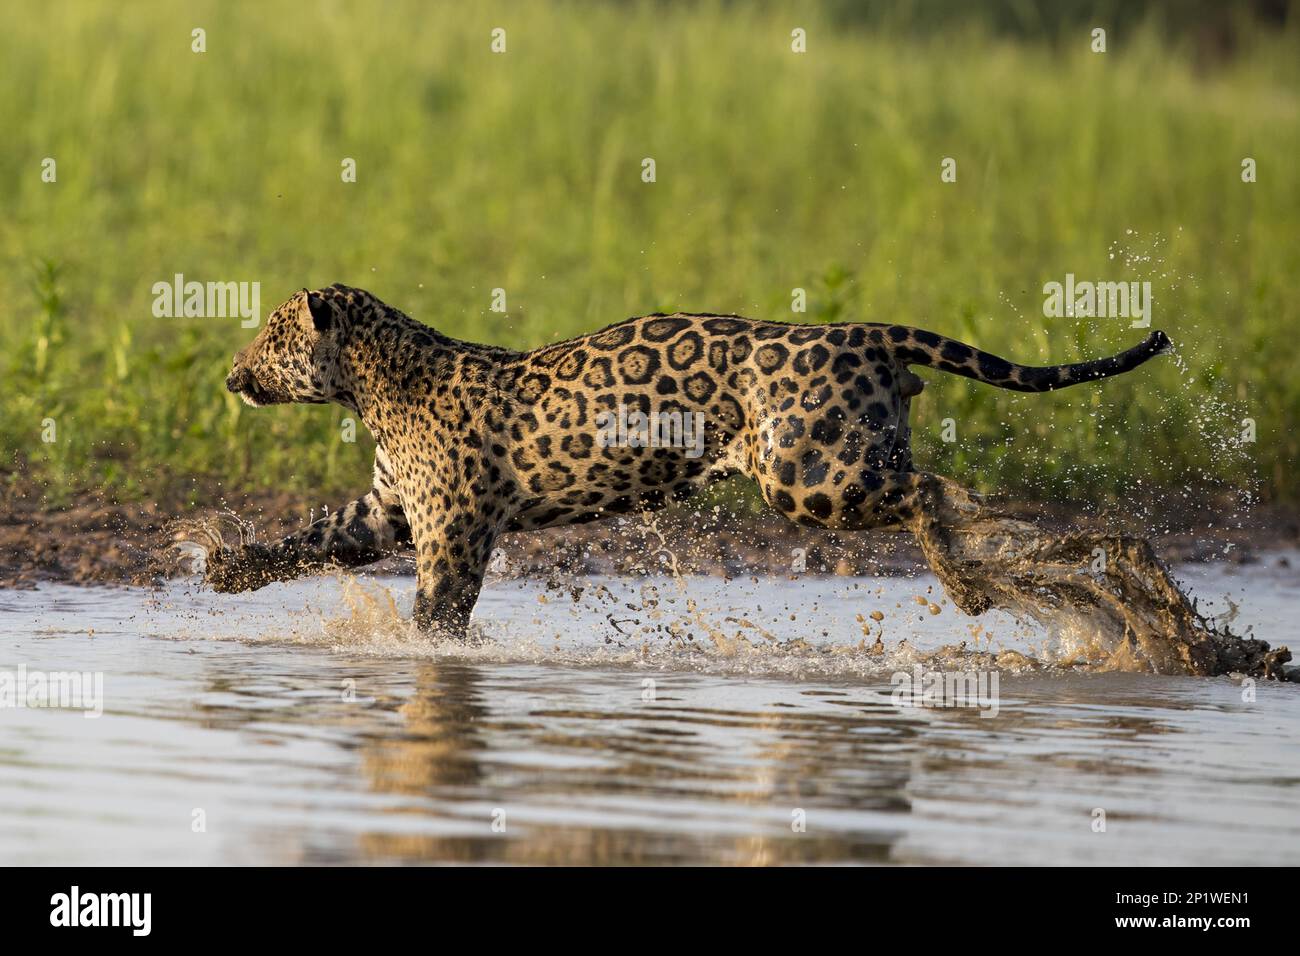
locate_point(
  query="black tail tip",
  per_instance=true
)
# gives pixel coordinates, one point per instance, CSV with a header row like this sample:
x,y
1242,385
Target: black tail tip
x,y
1158,343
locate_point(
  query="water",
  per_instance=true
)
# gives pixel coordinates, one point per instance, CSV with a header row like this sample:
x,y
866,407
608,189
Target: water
x,y
306,724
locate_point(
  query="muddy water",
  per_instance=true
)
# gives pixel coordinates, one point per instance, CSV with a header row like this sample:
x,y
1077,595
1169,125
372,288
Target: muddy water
x,y
741,722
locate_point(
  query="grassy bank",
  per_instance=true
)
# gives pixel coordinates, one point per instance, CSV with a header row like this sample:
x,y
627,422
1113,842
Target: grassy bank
x,y
522,171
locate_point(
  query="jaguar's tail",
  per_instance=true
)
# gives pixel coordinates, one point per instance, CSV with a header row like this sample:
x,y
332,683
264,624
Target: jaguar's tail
x,y
919,347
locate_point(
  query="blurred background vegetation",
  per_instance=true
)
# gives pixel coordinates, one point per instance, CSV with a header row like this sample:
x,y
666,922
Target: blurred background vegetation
x,y
775,170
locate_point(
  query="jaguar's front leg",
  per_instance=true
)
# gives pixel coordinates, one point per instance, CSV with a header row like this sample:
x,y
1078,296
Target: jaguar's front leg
x,y
362,532
452,552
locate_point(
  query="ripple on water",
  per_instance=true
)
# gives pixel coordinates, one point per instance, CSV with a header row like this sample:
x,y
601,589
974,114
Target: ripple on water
x,y
311,724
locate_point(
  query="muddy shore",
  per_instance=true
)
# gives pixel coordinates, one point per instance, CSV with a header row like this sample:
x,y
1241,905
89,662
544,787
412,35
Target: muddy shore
x,y
92,541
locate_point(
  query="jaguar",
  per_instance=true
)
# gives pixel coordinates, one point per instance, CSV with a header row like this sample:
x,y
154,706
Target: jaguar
x,y
473,441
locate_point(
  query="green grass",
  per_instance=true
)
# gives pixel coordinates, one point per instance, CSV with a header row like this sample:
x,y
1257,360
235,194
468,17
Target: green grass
x,y
522,171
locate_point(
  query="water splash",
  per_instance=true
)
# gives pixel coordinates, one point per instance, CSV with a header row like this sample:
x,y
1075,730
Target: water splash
x,y
1106,598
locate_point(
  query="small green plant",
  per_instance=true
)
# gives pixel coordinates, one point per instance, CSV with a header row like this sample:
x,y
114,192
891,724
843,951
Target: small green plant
x,y
49,321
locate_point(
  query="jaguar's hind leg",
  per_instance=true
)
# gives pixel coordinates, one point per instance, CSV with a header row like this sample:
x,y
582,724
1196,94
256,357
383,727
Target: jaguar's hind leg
x,y
930,506
801,491
949,507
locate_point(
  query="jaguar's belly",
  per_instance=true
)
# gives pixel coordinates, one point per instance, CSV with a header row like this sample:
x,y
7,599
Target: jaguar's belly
x,y
615,481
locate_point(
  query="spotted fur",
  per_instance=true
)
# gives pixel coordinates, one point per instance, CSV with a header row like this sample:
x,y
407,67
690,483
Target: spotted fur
x,y
475,440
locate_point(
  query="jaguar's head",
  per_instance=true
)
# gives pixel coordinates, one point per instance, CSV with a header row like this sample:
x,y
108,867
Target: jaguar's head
x,y
295,358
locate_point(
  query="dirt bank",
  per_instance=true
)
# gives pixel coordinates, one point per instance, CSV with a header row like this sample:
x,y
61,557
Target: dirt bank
x,y
93,541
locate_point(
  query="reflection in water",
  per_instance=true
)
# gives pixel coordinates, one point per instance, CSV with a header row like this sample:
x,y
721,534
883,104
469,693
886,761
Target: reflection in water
x,y
569,771
655,751
435,750
346,752
439,739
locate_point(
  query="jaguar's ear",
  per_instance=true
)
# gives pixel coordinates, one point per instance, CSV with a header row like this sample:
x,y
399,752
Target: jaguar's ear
x,y
322,313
